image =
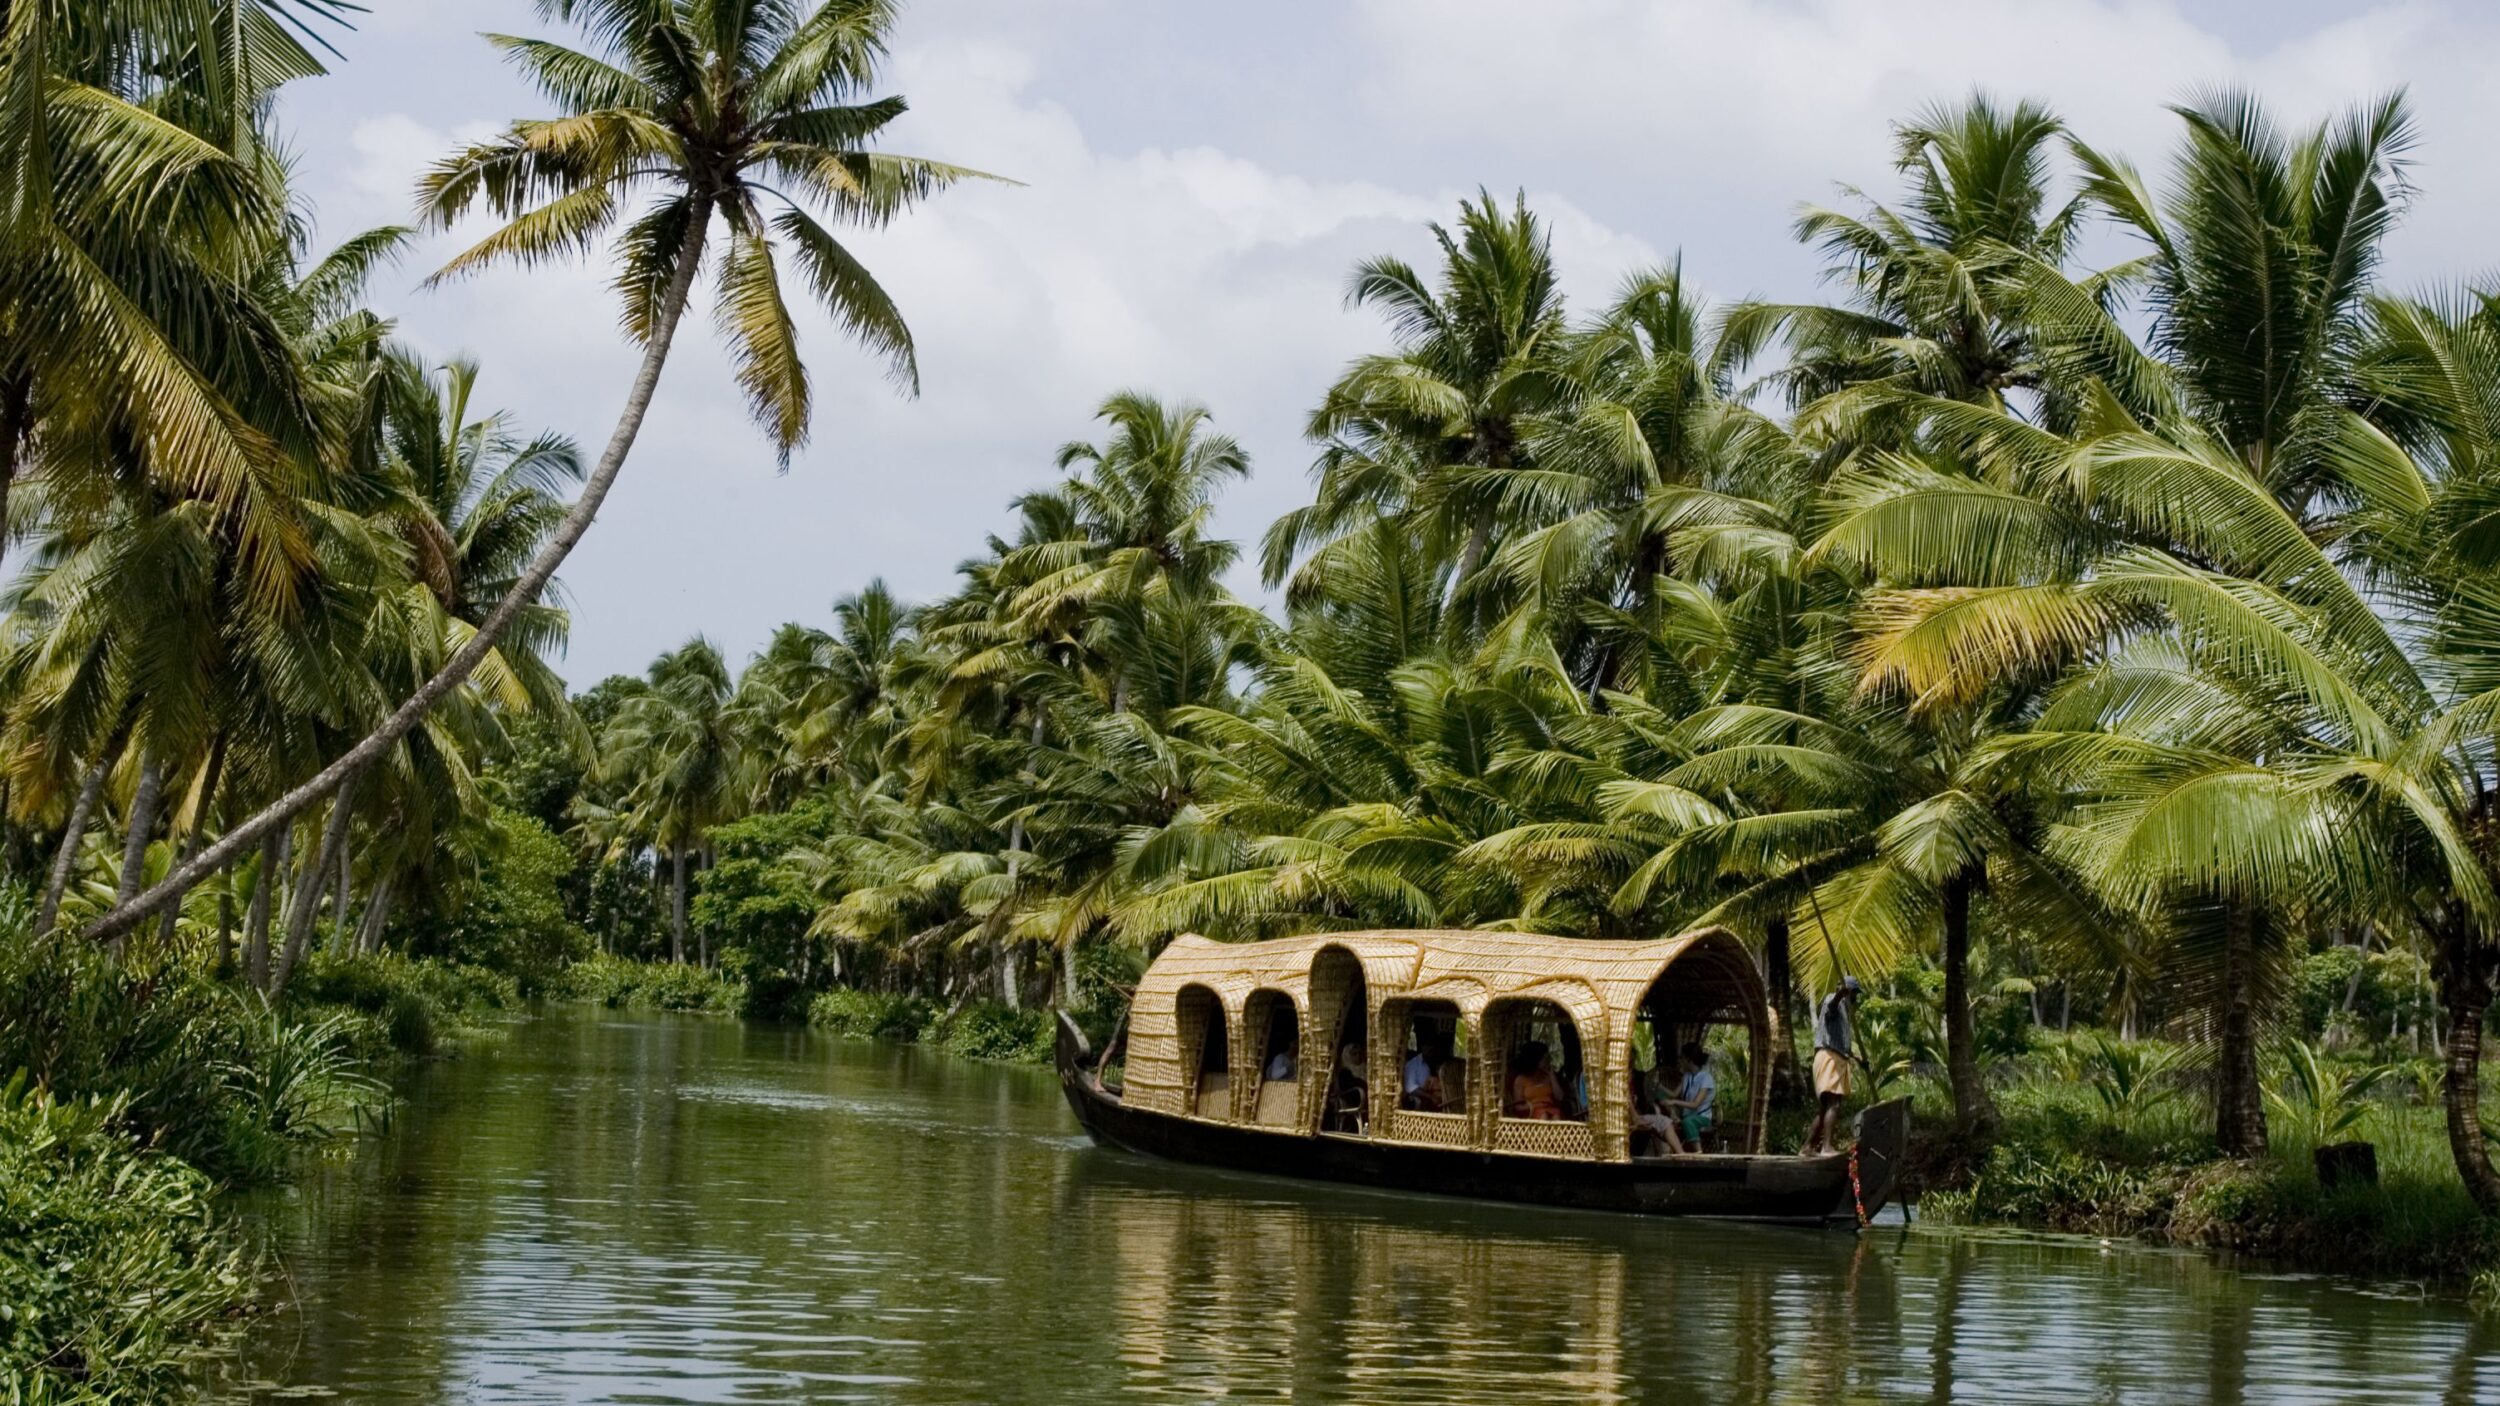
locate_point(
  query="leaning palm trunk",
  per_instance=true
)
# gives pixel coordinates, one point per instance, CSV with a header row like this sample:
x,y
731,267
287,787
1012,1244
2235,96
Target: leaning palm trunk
x,y
525,589
340,931
309,889
225,926
81,811
165,926
377,916
142,824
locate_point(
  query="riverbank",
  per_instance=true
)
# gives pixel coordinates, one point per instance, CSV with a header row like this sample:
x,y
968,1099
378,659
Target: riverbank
x,y
985,1030
2109,1138
132,1095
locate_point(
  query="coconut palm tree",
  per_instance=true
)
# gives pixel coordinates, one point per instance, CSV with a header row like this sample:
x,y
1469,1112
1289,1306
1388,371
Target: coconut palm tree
x,y
136,211
1926,306
1431,432
675,748
735,113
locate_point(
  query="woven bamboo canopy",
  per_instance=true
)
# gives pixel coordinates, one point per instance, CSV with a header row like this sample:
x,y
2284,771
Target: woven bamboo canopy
x,y
1490,987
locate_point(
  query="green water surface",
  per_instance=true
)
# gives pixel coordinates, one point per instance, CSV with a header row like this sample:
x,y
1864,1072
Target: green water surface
x,y
613,1208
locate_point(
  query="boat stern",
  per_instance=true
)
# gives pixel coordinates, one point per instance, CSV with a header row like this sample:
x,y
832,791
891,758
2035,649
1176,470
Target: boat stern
x,y
1875,1161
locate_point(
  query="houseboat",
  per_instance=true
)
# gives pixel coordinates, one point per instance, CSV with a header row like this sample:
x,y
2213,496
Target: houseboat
x,y
1394,1059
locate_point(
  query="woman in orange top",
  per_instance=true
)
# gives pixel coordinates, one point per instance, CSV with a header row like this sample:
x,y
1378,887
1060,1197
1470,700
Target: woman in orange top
x,y
1534,1092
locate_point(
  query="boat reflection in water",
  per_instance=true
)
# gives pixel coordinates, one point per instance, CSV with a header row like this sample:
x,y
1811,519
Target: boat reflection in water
x,y
1366,1296
1248,1288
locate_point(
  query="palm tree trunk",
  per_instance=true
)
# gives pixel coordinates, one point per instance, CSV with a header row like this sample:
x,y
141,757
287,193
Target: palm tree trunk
x,y
1471,556
2468,973
677,905
309,889
212,772
341,931
2239,1107
1974,1113
2462,1091
81,811
225,925
524,589
142,825
173,911
1788,1083
273,849
2352,988
377,916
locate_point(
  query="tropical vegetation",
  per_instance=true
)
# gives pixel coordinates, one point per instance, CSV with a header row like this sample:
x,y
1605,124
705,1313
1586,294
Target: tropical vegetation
x,y
2103,661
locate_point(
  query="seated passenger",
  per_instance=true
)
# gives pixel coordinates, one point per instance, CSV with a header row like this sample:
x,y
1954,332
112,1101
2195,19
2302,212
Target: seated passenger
x,y
1349,1095
1575,1092
1696,1100
1421,1089
1534,1091
1280,1067
1653,1129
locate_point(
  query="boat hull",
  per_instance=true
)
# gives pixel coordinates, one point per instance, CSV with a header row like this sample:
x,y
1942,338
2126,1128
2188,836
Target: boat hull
x,y
1792,1190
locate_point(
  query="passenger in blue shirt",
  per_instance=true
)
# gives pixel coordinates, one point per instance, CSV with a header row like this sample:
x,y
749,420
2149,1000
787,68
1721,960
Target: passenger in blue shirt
x,y
1696,1101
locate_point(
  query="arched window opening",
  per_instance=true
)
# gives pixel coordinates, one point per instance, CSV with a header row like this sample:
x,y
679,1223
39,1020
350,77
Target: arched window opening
x,y
1207,1047
1432,1075
1699,1081
1544,1068
1340,1005
1271,1020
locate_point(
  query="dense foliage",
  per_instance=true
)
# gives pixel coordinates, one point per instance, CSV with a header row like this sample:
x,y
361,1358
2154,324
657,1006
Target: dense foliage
x,y
2070,647
2104,661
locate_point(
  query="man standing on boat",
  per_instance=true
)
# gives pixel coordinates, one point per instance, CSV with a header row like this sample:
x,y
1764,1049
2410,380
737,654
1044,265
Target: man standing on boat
x,y
1832,1054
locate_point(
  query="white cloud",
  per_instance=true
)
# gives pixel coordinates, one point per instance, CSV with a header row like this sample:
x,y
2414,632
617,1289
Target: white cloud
x,y
1156,246
1188,273
1708,121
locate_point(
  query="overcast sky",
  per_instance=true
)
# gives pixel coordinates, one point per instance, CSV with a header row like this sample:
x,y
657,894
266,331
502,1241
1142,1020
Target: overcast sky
x,y
1199,177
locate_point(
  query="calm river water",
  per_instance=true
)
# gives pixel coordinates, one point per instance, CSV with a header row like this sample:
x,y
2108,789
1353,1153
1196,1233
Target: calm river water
x,y
641,1209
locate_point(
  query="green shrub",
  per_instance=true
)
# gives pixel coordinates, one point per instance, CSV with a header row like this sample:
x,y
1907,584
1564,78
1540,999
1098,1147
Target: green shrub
x,y
113,1260
510,917
985,1030
979,1030
870,1015
412,1004
759,909
665,986
2110,1137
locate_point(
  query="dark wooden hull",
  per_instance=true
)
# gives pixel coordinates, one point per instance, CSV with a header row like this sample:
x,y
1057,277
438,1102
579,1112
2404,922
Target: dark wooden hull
x,y
1792,1190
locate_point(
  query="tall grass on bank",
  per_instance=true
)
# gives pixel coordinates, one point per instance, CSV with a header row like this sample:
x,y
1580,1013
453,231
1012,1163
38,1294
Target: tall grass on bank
x,y
2106,1137
130,1091
114,1264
